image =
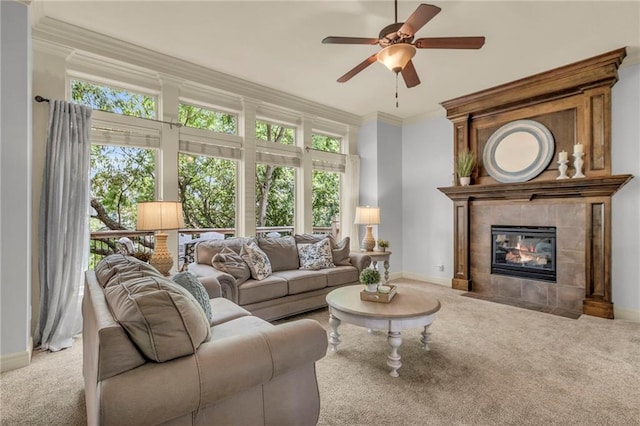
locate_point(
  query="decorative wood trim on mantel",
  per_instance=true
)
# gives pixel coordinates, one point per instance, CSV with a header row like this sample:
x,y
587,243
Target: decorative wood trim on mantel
x,y
566,188
559,82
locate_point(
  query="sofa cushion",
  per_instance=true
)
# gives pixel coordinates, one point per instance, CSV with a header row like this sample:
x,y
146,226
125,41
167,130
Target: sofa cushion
x,y
316,256
118,263
340,251
282,252
205,250
341,275
225,310
253,291
239,326
301,281
162,319
190,282
232,263
257,260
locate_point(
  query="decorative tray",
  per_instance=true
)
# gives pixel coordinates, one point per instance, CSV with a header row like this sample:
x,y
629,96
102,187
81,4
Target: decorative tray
x,y
379,297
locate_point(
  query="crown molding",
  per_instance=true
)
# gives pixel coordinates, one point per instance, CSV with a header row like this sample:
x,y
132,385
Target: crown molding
x,y
95,43
382,117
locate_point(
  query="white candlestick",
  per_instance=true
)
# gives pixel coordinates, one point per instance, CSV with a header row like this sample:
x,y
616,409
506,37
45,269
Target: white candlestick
x,y
578,148
562,156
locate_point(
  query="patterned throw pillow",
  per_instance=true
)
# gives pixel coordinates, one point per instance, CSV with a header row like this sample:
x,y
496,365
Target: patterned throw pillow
x,y
316,256
257,260
190,283
232,263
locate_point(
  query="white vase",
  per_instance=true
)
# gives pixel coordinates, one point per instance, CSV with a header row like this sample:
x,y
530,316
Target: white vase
x,y
465,180
371,288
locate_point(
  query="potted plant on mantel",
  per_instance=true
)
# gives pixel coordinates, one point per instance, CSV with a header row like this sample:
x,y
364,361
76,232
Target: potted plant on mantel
x,y
466,164
370,278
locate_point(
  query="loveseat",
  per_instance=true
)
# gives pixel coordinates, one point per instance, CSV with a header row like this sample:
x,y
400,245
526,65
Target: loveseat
x,y
154,355
303,269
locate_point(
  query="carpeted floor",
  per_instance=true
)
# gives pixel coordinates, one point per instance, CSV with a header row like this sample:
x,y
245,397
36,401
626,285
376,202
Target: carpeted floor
x,y
489,364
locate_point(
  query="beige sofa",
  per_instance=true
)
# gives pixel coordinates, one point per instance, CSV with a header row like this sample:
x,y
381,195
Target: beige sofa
x,y
151,355
288,290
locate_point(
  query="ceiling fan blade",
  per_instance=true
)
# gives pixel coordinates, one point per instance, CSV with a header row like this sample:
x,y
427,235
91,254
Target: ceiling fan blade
x,y
362,65
423,14
410,75
349,40
449,43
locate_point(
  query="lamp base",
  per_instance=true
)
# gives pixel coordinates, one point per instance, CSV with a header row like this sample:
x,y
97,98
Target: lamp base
x,y
368,242
161,258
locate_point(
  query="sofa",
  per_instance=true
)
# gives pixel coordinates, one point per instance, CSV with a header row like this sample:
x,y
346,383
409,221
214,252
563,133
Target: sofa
x,y
156,352
297,281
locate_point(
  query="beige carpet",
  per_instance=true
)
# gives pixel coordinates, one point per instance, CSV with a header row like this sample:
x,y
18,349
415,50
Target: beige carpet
x,y
489,364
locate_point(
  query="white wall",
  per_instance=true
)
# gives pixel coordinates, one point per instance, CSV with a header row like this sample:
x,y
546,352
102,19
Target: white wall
x,y
625,146
390,191
15,185
380,151
427,163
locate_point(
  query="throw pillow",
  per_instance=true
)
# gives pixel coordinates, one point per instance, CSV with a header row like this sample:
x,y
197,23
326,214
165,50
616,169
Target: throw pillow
x,y
232,263
316,256
340,252
257,260
190,282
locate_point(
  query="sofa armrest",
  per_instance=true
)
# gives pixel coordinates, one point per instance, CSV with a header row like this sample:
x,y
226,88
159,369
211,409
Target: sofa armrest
x,y
217,283
360,260
256,358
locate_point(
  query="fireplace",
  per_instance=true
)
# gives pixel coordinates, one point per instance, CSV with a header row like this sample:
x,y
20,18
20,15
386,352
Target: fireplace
x,y
524,251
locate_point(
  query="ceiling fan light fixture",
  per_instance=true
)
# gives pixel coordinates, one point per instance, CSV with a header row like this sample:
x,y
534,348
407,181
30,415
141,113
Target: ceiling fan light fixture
x,y
396,56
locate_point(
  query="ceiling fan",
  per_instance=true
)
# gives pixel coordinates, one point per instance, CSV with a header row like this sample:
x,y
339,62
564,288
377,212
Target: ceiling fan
x,y
398,45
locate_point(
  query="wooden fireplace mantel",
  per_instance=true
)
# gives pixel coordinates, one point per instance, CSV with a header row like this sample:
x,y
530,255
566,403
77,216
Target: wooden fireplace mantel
x,y
566,188
574,103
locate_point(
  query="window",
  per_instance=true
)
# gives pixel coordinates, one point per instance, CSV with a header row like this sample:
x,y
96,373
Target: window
x,y
325,197
325,143
275,133
111,99
207,187
275,188
208,119
120,178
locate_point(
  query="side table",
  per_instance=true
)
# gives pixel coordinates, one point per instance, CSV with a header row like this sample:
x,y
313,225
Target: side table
x,y
380,256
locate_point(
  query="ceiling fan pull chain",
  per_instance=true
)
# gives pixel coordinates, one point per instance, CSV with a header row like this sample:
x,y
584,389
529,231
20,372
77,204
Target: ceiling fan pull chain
x,y
396,90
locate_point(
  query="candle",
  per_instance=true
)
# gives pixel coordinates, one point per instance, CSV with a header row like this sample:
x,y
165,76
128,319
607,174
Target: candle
x,y
562,156
578,148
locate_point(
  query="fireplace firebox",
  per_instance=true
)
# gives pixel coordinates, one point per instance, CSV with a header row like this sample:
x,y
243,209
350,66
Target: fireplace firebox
x,y
524,251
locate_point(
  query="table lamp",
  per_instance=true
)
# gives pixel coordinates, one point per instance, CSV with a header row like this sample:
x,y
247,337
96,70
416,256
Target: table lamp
x,y
160,216
367,216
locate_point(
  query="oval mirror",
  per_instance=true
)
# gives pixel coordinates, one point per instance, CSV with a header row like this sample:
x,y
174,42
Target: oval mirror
x,y
518,151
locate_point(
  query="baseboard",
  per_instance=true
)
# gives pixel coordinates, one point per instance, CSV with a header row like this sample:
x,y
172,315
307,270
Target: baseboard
x,y
434,280
628,314
16,360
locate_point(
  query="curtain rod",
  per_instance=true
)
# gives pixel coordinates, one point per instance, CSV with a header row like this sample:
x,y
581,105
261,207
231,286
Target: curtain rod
x,y
39,98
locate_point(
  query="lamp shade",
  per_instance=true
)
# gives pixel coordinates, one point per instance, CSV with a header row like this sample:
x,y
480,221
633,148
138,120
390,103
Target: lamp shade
x,y
396,56
159,215
367,216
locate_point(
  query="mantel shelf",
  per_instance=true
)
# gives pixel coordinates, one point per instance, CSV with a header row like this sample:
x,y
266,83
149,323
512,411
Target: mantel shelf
x,y
566,188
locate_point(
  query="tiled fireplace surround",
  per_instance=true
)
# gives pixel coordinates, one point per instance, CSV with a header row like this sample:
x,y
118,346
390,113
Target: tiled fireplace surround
x,y
568,218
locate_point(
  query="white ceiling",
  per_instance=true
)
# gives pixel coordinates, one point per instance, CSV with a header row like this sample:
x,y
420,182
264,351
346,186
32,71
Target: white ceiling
x,y
278,43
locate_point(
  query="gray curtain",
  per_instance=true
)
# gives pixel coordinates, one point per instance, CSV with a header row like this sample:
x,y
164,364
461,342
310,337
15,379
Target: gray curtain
x,y
64,224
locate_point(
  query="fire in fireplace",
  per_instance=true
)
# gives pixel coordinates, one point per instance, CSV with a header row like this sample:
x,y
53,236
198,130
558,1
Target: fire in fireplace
x,y
524,251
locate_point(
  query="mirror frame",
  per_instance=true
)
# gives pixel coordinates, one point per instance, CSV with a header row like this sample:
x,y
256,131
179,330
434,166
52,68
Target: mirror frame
x,y
546,147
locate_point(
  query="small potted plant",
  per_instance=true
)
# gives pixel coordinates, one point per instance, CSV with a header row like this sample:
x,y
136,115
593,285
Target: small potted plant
x,y
370,278
465,165
382,245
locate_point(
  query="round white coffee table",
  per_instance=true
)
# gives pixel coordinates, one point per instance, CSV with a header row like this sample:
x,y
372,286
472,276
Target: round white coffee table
x,y
409,308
